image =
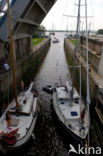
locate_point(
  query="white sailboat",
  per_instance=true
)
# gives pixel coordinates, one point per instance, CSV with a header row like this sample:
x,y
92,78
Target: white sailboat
x,y
68,111
68,106
55,40
18,121
22,123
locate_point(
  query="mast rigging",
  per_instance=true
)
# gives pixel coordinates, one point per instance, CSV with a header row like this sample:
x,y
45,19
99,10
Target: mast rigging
x,y
12,55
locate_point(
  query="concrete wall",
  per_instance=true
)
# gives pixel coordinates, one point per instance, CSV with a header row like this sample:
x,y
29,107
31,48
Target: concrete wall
x,y
93,44
93,86
100,68
26,66
95,49
93,58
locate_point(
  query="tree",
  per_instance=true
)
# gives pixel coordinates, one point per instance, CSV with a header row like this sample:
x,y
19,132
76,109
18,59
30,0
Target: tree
x,y
100,31
40,32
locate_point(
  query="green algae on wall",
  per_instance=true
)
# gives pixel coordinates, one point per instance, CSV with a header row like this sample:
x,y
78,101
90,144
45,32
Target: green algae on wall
x,y
69,59
29,67
93,86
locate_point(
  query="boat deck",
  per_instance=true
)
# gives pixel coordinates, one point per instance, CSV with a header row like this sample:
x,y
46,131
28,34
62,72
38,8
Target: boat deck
x,y
69,110
24,120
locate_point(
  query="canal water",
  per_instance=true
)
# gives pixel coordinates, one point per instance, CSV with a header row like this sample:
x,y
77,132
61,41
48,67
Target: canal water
x,y
48,141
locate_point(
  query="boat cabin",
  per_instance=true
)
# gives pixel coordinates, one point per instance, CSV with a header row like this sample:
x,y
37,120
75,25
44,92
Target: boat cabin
x,y
70,108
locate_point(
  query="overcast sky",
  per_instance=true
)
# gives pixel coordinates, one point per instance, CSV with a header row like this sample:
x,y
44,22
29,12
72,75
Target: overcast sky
x,y
56,20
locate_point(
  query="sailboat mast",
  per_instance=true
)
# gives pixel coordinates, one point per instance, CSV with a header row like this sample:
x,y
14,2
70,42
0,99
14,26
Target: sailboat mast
x,y
67,24
80,68
12,52
76,45
88,95
67,16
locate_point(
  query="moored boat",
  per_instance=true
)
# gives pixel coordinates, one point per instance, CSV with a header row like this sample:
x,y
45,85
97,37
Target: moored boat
x,y
71,113
55,40
21,124
18,120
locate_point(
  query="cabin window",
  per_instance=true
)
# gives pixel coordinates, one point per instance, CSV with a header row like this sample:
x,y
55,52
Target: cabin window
x,y
62,103
74,113
60,99
76,100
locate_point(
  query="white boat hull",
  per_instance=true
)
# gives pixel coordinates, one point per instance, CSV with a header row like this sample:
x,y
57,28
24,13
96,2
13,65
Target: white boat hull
x,y
24,123
66,132
73,124
20,143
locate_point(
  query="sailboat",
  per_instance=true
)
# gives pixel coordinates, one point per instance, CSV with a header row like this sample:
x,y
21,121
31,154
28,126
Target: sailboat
x,y
55,40
68,105
19,119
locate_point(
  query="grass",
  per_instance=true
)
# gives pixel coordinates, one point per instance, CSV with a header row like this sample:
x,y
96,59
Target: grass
x,y
37,41
74,42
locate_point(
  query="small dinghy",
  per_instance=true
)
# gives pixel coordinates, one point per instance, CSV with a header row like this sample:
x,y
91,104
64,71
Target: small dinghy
x,y
48,89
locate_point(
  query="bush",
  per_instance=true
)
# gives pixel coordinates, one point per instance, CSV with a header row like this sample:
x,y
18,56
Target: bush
x,y
100,31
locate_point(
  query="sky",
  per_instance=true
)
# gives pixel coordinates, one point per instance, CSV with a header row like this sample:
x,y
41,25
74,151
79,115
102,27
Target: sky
x,y
55,19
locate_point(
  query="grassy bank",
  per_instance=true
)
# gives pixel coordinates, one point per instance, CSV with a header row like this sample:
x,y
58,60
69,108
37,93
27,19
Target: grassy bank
x,y
37,41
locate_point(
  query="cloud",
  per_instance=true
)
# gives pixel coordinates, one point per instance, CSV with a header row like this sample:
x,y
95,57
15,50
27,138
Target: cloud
x,y
55,16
